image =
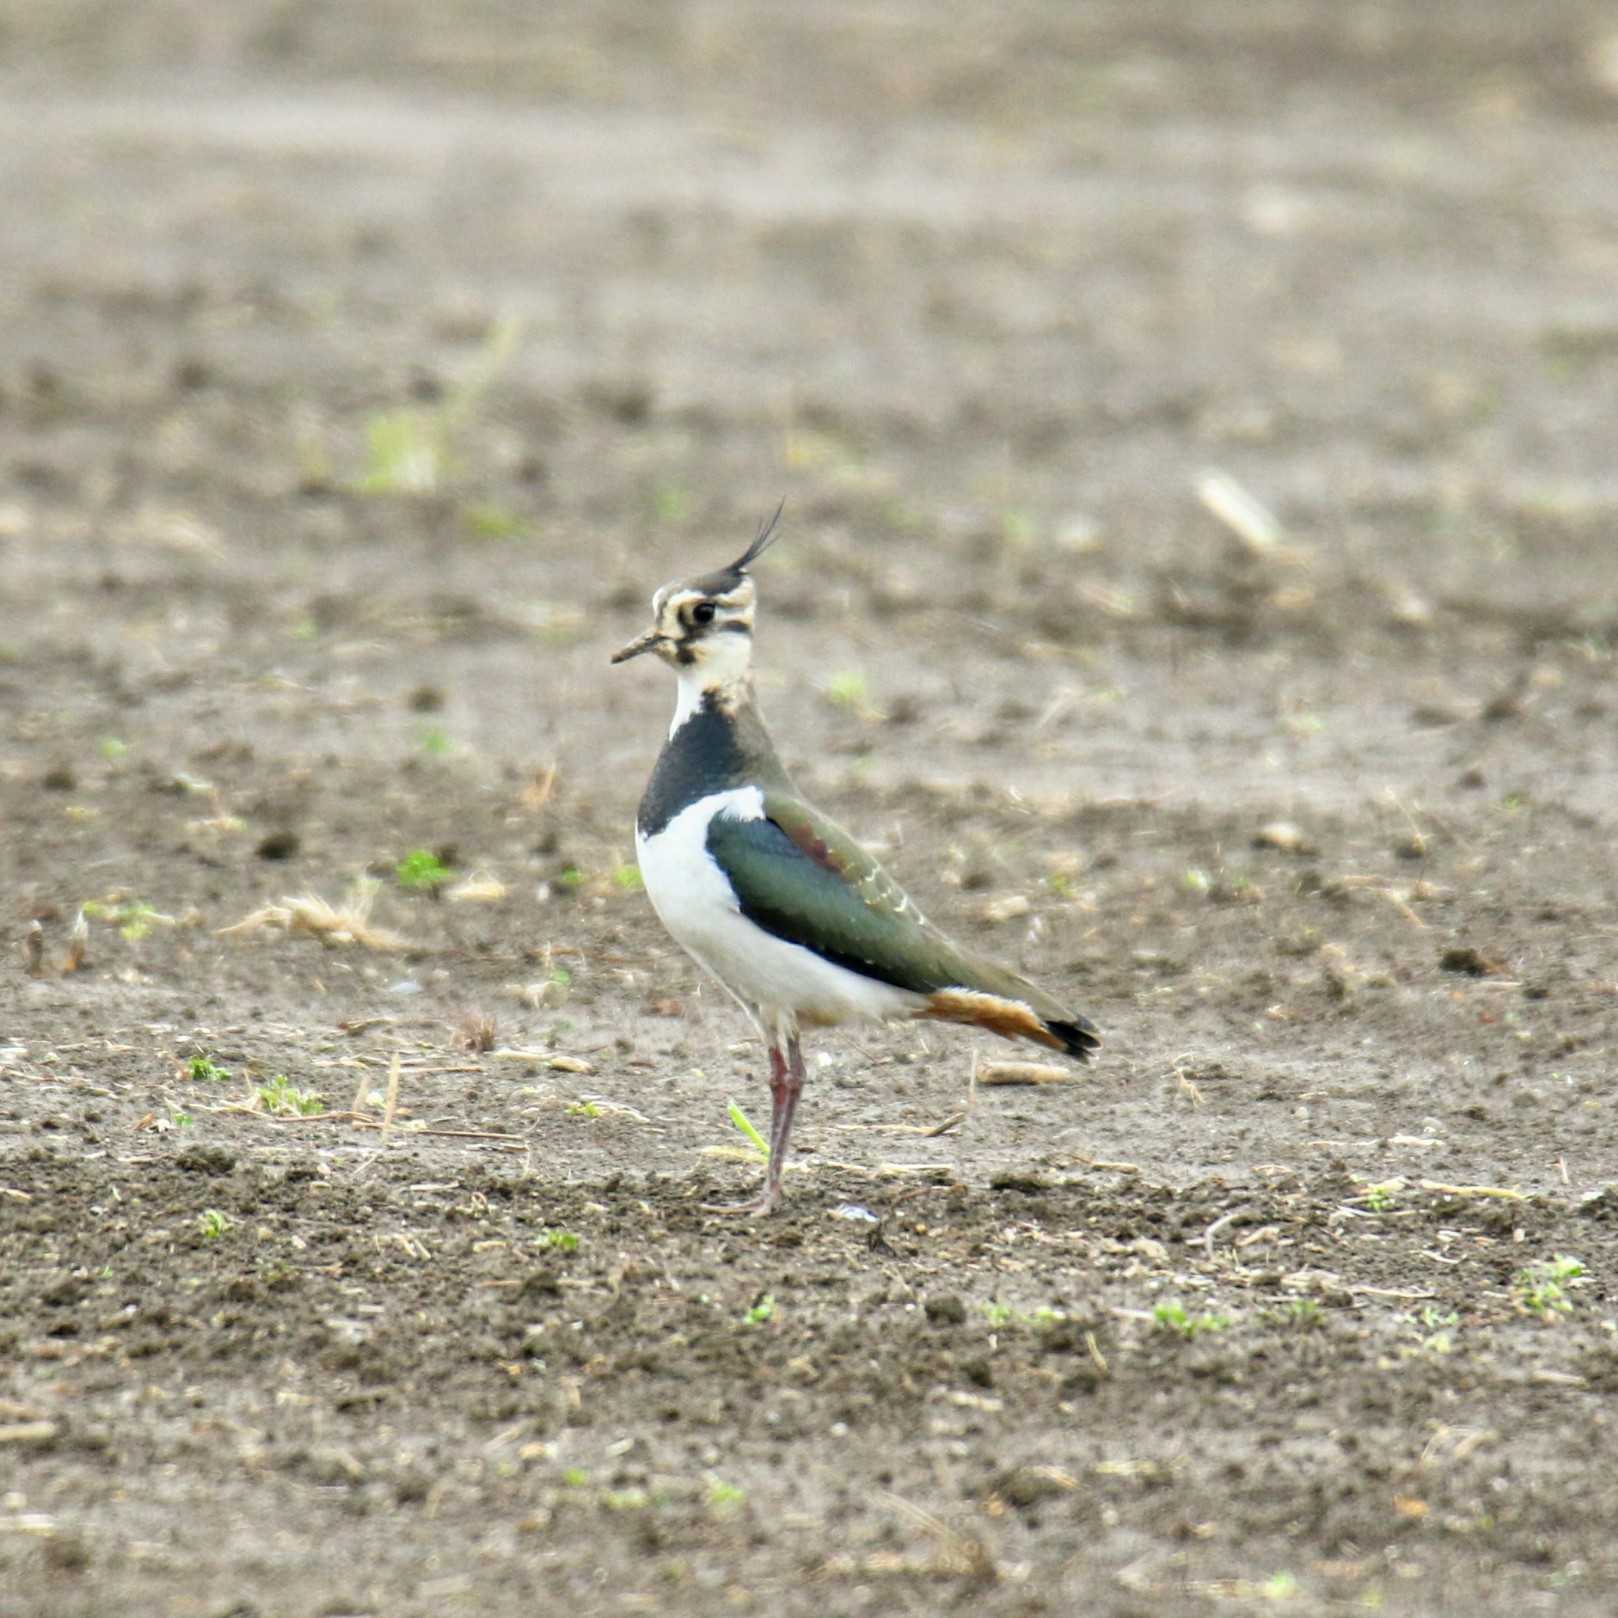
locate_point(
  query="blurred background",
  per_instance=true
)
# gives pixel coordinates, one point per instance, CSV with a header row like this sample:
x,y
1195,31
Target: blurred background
x,y
1135,339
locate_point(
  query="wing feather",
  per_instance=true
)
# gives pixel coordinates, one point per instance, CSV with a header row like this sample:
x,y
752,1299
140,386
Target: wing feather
x,y
802,878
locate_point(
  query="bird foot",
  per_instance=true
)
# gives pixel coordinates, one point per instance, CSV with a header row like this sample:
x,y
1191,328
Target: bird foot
x,y
757,1206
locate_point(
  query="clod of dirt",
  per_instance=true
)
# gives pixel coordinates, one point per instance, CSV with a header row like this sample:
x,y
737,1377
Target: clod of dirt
x,y
205,1160
945,1310
278,845
1029,1185
1023,1486
1507,704
1284,837
1435,716
1463,958
1339,974
66,1553
1008,908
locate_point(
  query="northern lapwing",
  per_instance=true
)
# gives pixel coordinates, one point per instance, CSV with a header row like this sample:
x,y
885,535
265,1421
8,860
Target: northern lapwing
x,y
773,898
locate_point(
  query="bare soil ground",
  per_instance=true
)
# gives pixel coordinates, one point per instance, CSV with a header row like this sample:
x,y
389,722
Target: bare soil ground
x,y
365,368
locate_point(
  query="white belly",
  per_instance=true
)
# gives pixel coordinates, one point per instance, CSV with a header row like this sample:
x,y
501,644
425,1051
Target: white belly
x,y
768,975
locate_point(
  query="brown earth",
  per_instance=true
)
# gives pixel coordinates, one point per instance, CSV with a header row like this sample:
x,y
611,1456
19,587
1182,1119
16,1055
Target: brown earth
x,y
365,368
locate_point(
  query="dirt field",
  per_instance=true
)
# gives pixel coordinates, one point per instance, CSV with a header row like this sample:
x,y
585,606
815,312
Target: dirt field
x,y
1198,430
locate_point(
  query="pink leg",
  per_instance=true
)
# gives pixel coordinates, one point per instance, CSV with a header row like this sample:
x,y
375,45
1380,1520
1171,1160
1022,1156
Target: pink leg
x,y
786,1084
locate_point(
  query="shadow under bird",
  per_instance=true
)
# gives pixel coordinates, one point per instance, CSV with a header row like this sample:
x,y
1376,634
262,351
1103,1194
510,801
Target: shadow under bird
x,y
773,898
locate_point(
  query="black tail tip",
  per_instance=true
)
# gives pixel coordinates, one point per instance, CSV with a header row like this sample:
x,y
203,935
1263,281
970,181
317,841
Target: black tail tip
x,y
1079,1037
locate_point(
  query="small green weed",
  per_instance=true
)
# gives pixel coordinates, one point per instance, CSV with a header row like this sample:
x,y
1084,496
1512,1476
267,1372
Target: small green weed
x,y
133,918
761,1311
433,741
563,1241
1542,1288
671,502
583,1109
723,1497
850,689
488,521
405,453
1433,1331
412,450
1042,1318
212,1224
420,869
281,1098
1175,1318
1018,527
204,1070
1303,1314
112,749
628,878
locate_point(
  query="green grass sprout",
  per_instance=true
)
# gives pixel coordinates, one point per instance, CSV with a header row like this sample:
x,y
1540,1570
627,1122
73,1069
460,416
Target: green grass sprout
x,y
744,1125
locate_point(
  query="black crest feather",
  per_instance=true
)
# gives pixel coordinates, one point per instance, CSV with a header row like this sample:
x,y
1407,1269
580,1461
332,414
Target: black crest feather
x,y
765,538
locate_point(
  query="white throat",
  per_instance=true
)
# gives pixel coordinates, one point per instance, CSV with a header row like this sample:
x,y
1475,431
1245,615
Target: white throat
x,y
691,686
726,668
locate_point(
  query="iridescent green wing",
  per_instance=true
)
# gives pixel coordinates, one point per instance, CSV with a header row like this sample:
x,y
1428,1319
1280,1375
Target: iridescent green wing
x,y
802,878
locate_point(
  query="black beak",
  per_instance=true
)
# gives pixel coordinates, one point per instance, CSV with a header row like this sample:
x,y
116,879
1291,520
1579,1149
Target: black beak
x,y
641,643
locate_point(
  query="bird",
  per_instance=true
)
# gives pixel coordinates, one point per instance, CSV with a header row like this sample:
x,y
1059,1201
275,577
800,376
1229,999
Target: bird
x,y
771,897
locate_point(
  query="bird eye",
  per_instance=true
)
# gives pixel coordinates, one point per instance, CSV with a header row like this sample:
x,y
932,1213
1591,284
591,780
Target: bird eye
x,y
703,612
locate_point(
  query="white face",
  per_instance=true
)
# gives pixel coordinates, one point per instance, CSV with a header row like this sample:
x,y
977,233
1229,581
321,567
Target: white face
x,y
705,625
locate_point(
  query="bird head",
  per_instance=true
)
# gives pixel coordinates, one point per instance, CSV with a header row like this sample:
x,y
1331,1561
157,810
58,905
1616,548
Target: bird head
x,y
706,623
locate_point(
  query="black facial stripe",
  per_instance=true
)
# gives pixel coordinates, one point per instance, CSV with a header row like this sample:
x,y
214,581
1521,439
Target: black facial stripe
x,y
690,633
